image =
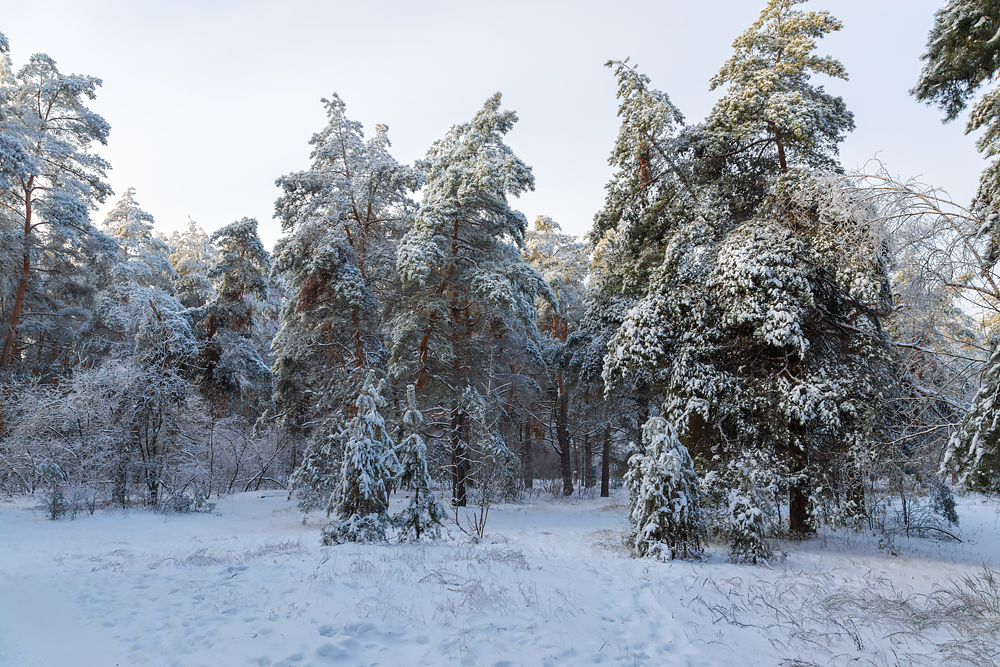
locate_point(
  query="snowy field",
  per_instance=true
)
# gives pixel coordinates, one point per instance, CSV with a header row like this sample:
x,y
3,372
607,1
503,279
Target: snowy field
x,y
550,585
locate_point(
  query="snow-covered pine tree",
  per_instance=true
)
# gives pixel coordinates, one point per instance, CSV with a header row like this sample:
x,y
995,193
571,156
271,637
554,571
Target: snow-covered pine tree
x,y
360,502
767,79
314,480
747,541
342,218
54,180
750,292
145,258
962,56
233,366
192,256
747,491
466,288
54,478
664,496
424,515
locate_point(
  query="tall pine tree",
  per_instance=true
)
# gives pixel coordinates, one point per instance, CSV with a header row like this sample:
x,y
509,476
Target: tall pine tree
x,y
751,292
50,183
466,288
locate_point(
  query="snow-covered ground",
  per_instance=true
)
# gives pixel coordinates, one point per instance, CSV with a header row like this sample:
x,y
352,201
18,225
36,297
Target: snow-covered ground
x,y
250,585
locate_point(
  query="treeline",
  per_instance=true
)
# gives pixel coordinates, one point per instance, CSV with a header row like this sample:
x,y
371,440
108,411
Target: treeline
x,y
752,340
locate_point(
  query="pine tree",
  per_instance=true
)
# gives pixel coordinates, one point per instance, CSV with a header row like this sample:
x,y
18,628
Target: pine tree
x,y
233,364
342,219
360,502
54,478
747,543
747,491
770,103
973,451
424,515
750,291
563,263
145,258
962,57
467,292
47,131
192,257
664,496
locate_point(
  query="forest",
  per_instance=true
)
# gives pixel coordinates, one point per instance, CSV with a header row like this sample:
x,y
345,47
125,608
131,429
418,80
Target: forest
x,y
751,341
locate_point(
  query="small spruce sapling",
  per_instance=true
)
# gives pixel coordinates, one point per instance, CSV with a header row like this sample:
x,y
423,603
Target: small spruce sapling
x,y
744,506
746,530
424,515
54,478
361,499
664,496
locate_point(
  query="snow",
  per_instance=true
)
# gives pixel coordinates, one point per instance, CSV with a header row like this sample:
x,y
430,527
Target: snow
x,y
249,584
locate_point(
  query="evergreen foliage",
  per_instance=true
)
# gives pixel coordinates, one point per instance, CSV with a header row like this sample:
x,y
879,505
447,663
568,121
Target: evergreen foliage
x,y
746,530
424,515
192,257
468,295
563,262
233,364
973,451
730,305
770,104
748,494
360,501
51,182
54,478
664,496
757,317
342,219
145,258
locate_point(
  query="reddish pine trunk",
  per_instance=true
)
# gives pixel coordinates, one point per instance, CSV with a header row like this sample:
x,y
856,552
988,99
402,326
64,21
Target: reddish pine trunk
x,y
22,283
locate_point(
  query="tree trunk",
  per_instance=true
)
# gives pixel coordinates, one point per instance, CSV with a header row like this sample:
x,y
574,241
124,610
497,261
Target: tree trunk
x,y
562,433
527,466
587,477
458,459
22,282
798,510
798,499
606,462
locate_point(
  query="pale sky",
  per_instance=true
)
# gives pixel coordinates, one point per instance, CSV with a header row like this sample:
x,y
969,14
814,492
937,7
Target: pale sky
x,y
210,101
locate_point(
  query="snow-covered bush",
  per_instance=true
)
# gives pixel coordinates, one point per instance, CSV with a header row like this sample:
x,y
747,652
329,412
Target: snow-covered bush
x,y
360,501
664,496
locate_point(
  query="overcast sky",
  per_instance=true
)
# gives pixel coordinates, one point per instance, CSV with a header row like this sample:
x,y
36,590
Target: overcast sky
x,y
210,101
